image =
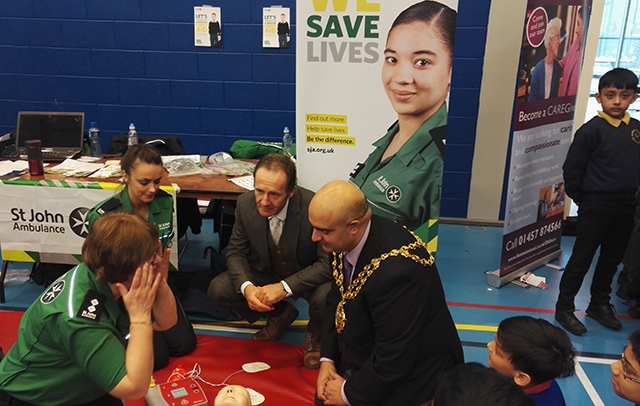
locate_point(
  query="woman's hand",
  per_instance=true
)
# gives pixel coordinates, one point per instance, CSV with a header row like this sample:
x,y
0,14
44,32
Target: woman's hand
x,y
140,296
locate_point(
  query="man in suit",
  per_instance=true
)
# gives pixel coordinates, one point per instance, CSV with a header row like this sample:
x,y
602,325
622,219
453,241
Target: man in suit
x,y
271,257
388,332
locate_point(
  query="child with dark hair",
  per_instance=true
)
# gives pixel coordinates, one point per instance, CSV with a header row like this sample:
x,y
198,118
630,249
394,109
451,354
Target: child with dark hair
x,y
474,384
533,353
626,372
601,174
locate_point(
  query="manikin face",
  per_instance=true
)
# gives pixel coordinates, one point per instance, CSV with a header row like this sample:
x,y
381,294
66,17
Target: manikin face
x,y
626,387
143,182
416,74
233,395
270,191
615,102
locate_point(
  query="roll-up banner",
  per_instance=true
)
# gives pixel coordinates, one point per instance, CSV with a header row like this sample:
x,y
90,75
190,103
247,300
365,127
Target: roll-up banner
x,y
372,86
550,65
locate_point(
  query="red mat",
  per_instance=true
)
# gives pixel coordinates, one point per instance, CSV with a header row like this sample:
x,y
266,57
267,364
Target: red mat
x,y
288,382
9,322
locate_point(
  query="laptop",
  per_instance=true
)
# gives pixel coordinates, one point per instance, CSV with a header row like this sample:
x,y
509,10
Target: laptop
x,y
61,133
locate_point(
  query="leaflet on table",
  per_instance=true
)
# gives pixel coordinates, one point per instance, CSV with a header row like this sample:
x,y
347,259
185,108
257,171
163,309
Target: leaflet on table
x,y
111,169
74,168
13,168
243,181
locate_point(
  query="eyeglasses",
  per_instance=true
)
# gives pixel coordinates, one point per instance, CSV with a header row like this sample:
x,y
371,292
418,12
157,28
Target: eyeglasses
x,y
625,369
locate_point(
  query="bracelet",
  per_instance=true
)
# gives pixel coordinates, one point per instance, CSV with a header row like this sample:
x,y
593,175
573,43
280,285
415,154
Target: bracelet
x,y
144,323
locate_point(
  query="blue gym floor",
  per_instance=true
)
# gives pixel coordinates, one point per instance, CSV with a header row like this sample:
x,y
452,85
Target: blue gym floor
x,y
464,254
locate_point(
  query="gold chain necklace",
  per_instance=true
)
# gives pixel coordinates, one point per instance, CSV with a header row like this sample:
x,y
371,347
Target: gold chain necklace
x,y
358,283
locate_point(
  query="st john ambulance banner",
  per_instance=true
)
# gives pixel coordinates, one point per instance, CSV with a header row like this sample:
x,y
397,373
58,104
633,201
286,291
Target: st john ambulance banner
x,y
47,221
550,65
373,79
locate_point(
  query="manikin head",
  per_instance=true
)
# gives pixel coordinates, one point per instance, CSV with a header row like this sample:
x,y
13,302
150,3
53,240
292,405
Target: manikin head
x,y
233,395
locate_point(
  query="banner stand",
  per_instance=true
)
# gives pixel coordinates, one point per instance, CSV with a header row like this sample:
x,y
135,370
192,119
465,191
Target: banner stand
x,y
494,279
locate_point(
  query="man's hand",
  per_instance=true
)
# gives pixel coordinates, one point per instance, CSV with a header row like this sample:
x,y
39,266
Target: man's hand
x,y
272,294
333,389
253,294
324,375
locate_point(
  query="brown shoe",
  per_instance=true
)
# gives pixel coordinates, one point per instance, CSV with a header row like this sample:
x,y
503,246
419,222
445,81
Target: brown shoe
x,y
311,359
276,325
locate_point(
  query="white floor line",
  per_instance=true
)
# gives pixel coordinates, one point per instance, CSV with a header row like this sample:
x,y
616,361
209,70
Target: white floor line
x,y
588,386
591,360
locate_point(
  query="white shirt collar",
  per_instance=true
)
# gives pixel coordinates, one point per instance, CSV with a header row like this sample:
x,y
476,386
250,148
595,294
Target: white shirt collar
x,y
282,216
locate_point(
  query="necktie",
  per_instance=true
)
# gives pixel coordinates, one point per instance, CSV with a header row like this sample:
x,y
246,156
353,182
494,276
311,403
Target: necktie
x,y
348,271
275,224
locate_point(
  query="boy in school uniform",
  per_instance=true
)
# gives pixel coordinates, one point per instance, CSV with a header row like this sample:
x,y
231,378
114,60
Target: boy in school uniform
x,y
602,175
533,353
625,376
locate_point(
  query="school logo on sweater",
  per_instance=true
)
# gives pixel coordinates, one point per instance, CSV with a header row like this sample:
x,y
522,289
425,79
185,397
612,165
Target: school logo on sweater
x,y
635,136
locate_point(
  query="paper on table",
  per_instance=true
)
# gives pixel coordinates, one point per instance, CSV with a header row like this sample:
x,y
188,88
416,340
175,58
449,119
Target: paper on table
x,y
243,181
109,171
71,167
169,158
13,168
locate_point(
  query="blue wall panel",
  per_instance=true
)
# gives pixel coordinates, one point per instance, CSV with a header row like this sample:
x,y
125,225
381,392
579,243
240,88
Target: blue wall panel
x,y
124,61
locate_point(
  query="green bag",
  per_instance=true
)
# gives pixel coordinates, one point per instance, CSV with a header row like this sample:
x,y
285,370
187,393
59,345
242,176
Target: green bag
x,y
248,149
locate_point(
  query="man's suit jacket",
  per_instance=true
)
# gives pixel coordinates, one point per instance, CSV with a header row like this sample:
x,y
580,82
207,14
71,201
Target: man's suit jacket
x,y
248,249
399,334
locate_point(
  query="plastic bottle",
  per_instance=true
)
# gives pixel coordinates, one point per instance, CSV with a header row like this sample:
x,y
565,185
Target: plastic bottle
x,y
287,142
132,137
94,137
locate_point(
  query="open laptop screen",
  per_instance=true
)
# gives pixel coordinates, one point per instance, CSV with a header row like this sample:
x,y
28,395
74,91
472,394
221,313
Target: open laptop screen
x,y
54,129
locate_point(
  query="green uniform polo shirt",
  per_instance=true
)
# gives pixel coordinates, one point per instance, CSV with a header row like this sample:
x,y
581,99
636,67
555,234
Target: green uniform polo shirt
x,y
406,186
160,212
69,349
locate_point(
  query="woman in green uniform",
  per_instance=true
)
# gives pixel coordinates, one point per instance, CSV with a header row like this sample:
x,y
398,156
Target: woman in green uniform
x,y
72,347
402,177
142,171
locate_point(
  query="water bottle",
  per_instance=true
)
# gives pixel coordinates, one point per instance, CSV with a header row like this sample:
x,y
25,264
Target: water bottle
x,y
94,137
287,142
132,137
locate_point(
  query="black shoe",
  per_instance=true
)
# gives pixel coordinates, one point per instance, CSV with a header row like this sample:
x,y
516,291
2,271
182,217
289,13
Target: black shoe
x,y
635,312
605,315
623,293
570,322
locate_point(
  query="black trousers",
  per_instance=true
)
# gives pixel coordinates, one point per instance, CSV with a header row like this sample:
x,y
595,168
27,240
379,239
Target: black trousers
x,y
606,224
178,341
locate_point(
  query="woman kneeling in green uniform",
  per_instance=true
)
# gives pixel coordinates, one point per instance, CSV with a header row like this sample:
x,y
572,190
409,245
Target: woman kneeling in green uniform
x,y
142,171
72,346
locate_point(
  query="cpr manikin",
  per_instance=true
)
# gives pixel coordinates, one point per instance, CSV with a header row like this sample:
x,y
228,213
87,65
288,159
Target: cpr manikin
x,y
233,395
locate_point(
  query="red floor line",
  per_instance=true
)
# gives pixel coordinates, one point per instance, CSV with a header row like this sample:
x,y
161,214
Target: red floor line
x,y
520,309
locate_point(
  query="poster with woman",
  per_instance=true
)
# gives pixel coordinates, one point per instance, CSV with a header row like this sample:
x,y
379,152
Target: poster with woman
x,y
380,75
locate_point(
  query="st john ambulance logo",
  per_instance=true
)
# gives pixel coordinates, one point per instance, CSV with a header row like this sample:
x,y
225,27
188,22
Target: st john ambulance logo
x,y
52,293
79,221
393,194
